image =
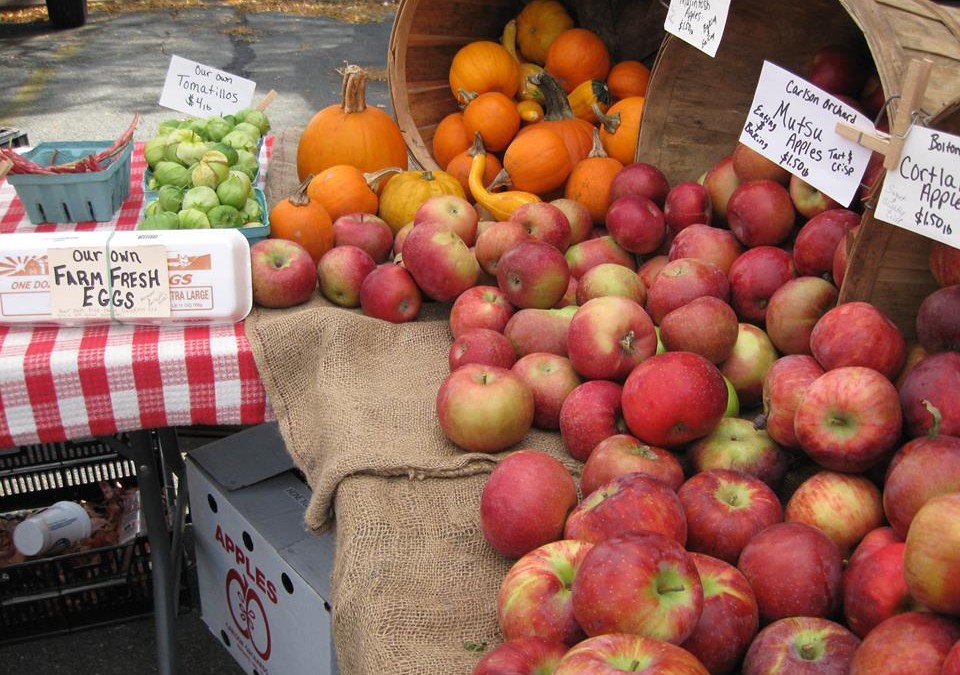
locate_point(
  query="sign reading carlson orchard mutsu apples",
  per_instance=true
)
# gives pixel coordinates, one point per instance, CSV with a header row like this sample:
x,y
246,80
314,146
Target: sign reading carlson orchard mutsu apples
x,y
698,22
922,193
195,89
793,123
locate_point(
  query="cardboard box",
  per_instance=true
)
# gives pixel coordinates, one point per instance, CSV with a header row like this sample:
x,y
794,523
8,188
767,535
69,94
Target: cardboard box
x,y
264,579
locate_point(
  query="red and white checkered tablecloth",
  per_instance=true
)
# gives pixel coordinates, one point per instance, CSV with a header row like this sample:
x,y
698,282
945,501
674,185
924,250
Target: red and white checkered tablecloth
x,y
59,383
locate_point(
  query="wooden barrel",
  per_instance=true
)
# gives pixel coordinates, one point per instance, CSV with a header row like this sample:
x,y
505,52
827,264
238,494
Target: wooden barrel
x,y
427,33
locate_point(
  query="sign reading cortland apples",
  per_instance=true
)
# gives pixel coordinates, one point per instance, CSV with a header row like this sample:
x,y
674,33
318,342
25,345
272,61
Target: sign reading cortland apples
x,y
922,193
792,122
698,22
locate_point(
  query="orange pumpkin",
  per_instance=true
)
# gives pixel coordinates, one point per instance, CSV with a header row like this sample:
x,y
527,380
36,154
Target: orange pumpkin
x,y
537,160
495,117
450,138
620,128
538,24
349,132
344,189
303,220
482,66
590,180
577,55
628,78
577,134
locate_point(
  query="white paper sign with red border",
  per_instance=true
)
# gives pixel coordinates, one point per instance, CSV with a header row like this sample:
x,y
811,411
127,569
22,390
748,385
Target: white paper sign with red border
x,y
195,89
922,193
698,22
793,123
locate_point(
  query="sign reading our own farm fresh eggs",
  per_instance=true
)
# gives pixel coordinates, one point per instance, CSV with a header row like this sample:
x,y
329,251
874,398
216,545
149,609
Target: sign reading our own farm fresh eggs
x,y
195,89
793,123
922,193
698,22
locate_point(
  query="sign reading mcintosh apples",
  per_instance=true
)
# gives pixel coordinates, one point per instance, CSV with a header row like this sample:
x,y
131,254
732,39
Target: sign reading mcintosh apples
x,y
792,122
698,22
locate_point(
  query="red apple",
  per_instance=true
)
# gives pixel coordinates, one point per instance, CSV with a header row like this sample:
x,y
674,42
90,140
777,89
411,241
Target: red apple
x,y
522,656
682,280
610,279
951,664
737,444
673,398
711,244
919,641
525,501
341,272
845,506
794,309
746,366
484,408
761,213
539,330
783,386
643,583
944,263
932,384
633,502
801,645
533,274
848,419
687,203
390,293
480,307
931,555
706,325
578,217
481,345
283,273
872,98
749,164
534,597
642,179
872,542
596,250
720,181
366,231
544,222
839,69
439,260
730,617
807,200
875,589
650,268
858,334
452,210
398,239
816,242
591,413
923,468
725,509
570,296
612,653
754,277
496,240
551,378
938,320
794,569
621,454
636,223
608,336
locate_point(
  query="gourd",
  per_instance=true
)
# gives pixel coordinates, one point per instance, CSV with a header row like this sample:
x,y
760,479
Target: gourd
x,y
482,66
577,55
588,94
301,219
350,132
499,204
538,24
620,128
537,161
530,111
459,167
405,192
344,189
590,180
494,116
527,91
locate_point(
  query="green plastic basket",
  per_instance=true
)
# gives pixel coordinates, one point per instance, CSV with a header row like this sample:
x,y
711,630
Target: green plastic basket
x,y
73,197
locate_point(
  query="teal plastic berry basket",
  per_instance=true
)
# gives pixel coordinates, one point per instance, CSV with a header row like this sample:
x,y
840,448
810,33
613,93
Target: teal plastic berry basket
x,y
73,197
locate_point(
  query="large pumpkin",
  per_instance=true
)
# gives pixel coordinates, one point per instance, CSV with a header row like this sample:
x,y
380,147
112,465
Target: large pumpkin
x,y
538,24
404,193
351,133
482,66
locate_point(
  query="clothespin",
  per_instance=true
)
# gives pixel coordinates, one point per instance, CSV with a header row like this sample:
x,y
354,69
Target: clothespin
x,y
267,100
911,95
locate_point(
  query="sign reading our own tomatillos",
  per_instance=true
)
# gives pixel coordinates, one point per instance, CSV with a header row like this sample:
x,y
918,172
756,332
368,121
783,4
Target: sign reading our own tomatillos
x,y
793,123
922,193
195,89
698,22
108,282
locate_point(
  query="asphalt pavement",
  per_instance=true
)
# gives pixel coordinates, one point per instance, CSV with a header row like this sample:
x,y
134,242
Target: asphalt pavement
x,y
85,84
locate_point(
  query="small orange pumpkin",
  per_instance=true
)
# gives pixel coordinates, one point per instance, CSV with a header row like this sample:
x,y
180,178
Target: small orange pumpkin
x,y
350,132
577,134
628,78
577,55
303,220
495,117
344,189
482,66
459,167
620,128
450,138
538,24
590,180
537,160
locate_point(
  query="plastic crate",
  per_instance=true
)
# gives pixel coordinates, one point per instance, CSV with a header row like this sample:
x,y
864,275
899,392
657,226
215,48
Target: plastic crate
x,y
73,197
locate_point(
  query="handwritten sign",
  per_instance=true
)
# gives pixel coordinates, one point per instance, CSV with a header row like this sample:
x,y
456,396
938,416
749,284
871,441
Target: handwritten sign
x,y
793,123
698,22
922,193
108,282
202,91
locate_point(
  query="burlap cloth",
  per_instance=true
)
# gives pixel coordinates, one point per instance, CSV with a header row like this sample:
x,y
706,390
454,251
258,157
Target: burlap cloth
x,y
414,584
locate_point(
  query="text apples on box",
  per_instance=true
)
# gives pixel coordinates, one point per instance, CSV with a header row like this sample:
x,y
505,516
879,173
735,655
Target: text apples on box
x,y
195,89
793,123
